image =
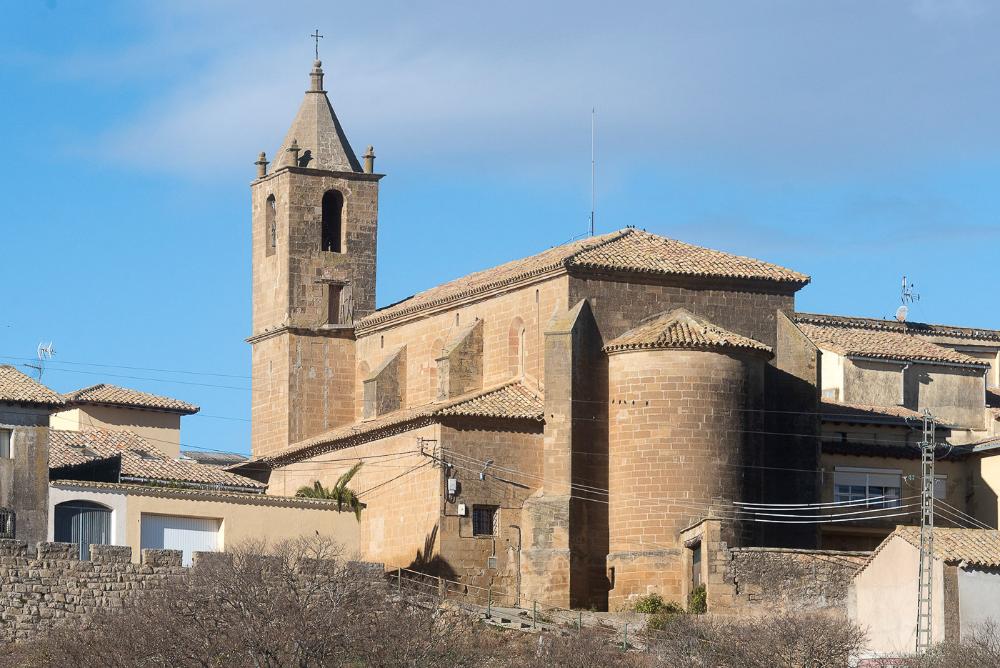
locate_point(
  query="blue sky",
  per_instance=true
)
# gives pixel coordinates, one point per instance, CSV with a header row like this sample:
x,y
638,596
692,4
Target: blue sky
x,y
854,141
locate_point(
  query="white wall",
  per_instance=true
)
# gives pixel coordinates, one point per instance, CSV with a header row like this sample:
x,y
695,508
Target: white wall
x,y
832,372
117,501
978,598
885,599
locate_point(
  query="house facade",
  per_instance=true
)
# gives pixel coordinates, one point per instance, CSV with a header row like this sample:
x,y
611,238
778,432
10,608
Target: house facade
x,y
965,588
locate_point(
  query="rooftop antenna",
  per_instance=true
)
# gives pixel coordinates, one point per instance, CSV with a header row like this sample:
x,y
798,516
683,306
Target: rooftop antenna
x,y
593,167
44,351
907,296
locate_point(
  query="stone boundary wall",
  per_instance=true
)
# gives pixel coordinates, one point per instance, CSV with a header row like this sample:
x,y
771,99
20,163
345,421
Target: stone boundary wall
x,y
49,585
776,580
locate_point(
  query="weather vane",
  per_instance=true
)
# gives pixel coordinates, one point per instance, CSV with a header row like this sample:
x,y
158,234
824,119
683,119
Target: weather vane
x,y
317,37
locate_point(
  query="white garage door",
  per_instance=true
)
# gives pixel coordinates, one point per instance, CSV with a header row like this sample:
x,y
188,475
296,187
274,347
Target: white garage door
x,y
188,534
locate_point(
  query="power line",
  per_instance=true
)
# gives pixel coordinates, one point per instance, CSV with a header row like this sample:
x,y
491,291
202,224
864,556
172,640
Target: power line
x,y
133,368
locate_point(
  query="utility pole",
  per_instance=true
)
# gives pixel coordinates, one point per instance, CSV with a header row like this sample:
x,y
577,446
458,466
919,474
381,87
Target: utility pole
x,y
925,600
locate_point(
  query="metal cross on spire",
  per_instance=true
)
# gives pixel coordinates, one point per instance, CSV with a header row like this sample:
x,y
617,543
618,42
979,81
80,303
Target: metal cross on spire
x,y
317,37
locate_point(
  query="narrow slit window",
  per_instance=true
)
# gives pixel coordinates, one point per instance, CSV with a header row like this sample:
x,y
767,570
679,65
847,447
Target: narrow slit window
x,y
5,444
333,303
271,225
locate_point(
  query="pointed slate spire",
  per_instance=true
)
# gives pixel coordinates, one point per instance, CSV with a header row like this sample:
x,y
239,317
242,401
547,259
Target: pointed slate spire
x,y
321,140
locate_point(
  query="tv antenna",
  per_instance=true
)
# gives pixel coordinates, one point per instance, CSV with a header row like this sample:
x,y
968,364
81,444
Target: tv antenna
x,y
44,352
907,296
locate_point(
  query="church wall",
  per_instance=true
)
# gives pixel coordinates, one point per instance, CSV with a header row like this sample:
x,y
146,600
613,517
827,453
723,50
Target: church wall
x,y
269,409
320,382
515,473
409,523
400,525
270,271
529,307
620,305
677,453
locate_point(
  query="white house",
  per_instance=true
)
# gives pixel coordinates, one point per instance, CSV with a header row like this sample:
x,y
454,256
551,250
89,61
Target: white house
x,y
965,587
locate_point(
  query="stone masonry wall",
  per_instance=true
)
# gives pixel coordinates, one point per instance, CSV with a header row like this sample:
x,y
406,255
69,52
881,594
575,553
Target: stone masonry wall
x,y
774,580
677,446
42,588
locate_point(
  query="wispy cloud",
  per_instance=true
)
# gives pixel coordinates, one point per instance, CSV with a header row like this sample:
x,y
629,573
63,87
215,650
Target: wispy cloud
x,y
768,83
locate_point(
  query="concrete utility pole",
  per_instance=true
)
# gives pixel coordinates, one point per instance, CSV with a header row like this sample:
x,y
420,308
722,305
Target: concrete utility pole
x,y
925,599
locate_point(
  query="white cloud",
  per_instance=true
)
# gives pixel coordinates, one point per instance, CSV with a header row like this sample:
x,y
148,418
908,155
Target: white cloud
x,y
512,87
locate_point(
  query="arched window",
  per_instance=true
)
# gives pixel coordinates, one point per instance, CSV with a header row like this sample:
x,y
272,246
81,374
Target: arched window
x,y
270,226
333,211
84,523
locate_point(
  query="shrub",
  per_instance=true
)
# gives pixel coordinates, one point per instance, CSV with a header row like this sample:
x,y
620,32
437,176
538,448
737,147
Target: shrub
x,y
698,601
652,604
780,641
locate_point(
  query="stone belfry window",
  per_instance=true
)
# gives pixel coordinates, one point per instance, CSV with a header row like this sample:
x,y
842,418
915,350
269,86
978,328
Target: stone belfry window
x,y
333,228
270,226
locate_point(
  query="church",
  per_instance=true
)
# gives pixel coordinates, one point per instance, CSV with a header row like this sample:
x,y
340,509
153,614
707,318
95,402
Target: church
x,y
554,428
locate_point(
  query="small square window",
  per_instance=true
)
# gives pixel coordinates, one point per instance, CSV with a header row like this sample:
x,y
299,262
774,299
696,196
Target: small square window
x,y
5,452
484,520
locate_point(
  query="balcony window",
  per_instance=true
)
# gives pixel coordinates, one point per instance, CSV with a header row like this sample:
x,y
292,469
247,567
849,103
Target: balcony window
x,y
879,487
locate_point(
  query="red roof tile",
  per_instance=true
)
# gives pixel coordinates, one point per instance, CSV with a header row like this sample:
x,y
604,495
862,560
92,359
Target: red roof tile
x,y
629,250
18,388
139,461
882,344
112,395
681,329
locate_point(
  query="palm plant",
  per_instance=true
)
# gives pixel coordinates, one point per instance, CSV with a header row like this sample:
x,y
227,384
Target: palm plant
x,y
340,492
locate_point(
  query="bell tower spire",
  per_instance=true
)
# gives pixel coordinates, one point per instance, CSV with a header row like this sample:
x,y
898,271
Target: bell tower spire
x,y
315,220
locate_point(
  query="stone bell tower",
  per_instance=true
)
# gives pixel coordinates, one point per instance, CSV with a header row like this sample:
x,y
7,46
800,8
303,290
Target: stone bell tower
x,y
315,218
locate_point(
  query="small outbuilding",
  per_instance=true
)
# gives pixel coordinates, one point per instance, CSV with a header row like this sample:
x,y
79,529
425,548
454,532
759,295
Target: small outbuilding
x,y
965,590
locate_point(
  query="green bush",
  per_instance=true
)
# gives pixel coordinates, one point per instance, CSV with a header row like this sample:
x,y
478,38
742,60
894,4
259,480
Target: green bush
x,y
698,601
652,604
664,616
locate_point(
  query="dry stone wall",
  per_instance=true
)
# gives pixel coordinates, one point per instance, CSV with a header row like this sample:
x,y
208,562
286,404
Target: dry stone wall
x,y
774,580
48,586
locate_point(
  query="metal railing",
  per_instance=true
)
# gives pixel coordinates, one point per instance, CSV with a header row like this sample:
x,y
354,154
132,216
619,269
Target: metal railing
x,y
436,589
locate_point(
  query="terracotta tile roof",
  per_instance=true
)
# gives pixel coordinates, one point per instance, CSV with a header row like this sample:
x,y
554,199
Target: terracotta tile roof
x,y
514,401
988,444
836,411
629,250
867,448
641,251
976,547
18,388
681,329
223,459
510,401
881,344
139,461
112,395
919,328
248,498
